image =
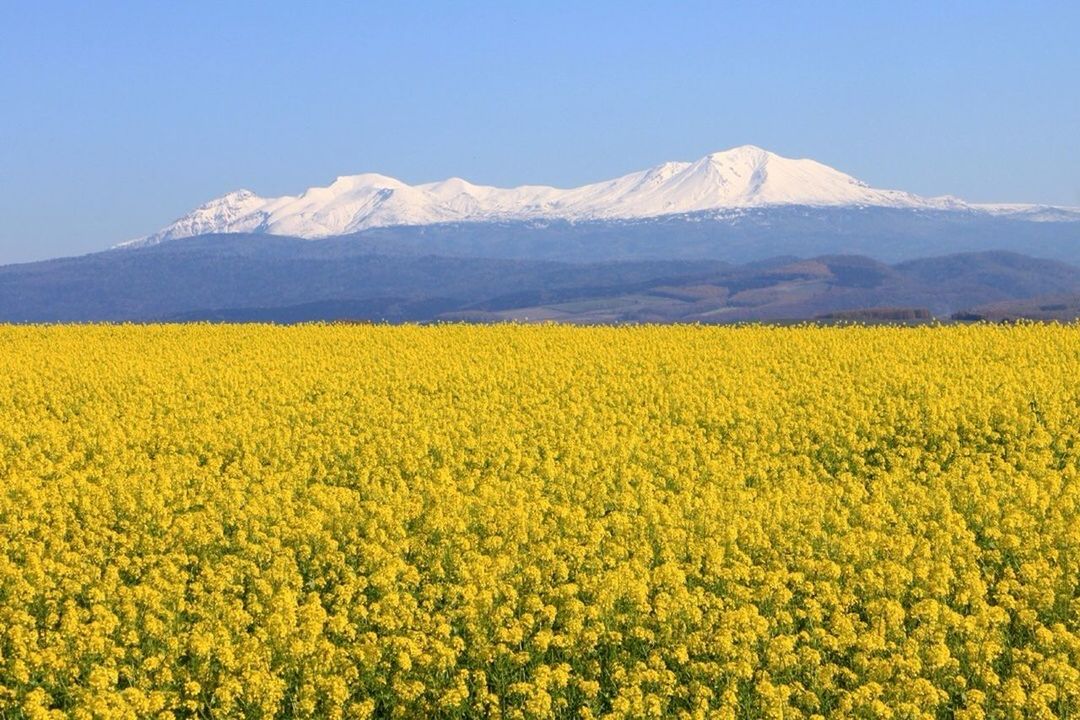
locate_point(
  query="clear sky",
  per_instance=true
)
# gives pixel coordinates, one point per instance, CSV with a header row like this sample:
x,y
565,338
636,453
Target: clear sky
x,y
118,117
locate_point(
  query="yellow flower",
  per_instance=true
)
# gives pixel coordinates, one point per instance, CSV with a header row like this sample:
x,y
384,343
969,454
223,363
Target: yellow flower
x,y
349,521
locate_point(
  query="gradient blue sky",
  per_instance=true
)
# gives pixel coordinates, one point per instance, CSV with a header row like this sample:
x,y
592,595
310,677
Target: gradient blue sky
x,y
119,117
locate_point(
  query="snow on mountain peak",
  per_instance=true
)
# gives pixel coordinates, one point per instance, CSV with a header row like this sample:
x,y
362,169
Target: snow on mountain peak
x,y
744,176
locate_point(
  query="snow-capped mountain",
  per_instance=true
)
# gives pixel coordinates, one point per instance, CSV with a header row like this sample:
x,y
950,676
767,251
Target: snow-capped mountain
x,y
734,220
743,177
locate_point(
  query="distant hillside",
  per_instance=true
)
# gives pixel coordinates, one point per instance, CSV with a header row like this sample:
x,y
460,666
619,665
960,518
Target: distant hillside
x,y
275,279
740,236
203,276
829,287
1061,308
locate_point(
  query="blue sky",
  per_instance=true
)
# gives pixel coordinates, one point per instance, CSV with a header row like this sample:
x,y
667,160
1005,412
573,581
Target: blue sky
x,y
118,117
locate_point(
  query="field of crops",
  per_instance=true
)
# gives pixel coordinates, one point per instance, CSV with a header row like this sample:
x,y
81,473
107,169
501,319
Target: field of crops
x,y
533,522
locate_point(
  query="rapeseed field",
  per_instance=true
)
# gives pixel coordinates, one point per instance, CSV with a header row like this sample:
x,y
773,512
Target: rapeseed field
x,y
539,522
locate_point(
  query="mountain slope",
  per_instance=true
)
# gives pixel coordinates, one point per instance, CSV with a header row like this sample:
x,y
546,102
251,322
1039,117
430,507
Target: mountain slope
x,y
740,235
236,271
281,279
1049,308
827,287
743,177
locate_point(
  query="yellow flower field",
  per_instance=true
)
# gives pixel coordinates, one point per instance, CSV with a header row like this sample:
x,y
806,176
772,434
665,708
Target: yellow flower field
x,y
533,522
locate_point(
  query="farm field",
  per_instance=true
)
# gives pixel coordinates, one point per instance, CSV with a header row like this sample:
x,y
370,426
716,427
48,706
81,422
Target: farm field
x,y
334,521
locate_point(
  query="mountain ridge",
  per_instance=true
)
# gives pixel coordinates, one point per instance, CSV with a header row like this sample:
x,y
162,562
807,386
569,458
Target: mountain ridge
x,y
279,279
739,178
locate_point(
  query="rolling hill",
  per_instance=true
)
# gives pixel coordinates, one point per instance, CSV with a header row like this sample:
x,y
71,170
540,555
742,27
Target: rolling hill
x,y
279,279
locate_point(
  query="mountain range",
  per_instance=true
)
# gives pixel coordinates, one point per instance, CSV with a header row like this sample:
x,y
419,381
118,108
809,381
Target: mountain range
x,y
743,234
717,185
